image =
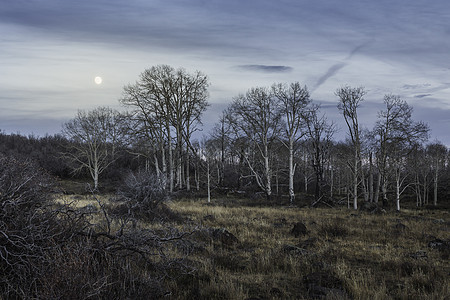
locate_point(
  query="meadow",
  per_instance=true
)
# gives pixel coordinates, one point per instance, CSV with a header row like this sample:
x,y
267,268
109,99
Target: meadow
x,y
242,249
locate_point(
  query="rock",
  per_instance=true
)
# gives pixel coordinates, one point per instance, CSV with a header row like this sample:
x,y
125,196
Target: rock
x,y
299,229
223,236
419,255
439,245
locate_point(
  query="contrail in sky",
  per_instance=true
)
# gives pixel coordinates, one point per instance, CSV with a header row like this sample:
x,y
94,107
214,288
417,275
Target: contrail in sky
x,y
337,67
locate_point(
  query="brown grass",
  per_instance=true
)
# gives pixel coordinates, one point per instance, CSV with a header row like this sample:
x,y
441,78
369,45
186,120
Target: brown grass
x,y
370,256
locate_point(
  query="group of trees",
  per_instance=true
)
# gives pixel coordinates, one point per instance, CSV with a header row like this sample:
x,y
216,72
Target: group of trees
x,y
271,140
274,130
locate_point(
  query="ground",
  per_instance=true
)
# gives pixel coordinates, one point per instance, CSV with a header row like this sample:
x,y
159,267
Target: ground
x,y
242,249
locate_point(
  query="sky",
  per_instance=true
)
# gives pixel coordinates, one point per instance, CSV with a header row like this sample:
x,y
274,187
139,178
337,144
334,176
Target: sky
x,y
52,50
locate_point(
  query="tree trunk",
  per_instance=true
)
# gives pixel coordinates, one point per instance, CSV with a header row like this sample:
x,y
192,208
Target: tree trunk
x,y
208,182
291,171
267,171
384,190
96,177
163,161
370,179
397,191
376,195
331,182
435,195
179,151
158,171
355,181
306,184
188,173
425,189
171,171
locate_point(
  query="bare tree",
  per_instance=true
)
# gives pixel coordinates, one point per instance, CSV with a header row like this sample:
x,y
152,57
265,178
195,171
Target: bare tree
x,y
193,105
349,101
256,117
394,133
438,153
320,134
95,136
169,104
294,100
221,138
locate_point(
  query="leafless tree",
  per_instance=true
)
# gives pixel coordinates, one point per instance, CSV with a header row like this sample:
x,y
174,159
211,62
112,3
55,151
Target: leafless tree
x,y
256,116
95,137
349,101
294,100
221,139
394,133
320,134
193,105
438,154
169,103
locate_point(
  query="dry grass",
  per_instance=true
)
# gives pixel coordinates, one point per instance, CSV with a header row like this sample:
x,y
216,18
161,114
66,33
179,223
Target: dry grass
x,y
368,256
343,254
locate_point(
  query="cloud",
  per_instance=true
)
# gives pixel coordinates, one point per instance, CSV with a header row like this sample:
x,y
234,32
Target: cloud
x,y
337,67
416,86
266,68
329,73
422,95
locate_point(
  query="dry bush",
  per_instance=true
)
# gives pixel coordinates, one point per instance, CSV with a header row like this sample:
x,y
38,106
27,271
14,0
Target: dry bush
x,y
143,196
50,250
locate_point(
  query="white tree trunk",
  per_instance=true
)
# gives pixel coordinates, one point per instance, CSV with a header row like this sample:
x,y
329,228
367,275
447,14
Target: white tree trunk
x,y
355,182
188,173
268,171
291,171
208,182
397,192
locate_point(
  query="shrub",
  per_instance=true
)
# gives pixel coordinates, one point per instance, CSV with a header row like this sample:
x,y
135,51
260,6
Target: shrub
x,y
142,196
53,251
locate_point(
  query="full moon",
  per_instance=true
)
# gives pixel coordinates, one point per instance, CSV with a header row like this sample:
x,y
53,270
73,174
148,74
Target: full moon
x,y
98,80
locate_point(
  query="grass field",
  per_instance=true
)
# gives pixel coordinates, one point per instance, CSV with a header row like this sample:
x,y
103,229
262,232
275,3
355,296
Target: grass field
x,y
338,254
240,250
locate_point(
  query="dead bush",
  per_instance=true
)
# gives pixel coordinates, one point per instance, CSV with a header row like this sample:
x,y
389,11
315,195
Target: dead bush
x,y
55,251
142,196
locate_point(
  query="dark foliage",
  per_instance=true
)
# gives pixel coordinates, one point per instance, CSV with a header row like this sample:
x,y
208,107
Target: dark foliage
x,y
44,151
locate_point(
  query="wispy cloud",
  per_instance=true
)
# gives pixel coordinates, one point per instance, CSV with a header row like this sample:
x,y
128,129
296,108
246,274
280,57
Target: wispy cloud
x,y
329,73
334,69
423,95
266,68
416,86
